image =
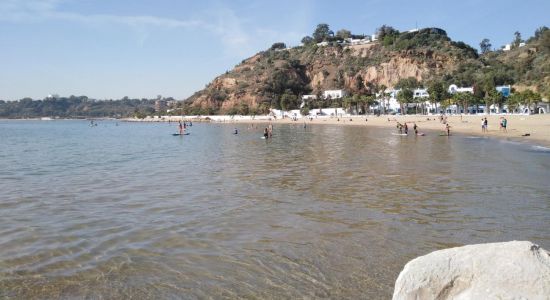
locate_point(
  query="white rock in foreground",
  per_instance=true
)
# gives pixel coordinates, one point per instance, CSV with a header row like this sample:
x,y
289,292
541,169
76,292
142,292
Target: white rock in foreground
x,y
511,270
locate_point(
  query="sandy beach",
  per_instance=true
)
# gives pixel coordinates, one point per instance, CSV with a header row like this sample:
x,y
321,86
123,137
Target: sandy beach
x,y
526,128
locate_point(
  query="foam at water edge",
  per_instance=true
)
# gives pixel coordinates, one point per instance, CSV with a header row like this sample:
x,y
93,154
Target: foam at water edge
x,y
540,148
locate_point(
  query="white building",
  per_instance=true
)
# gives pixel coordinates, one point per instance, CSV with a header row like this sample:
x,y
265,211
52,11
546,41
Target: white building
x,y
453,88
334,94
322,44
351,41
420,93
507,47
309,97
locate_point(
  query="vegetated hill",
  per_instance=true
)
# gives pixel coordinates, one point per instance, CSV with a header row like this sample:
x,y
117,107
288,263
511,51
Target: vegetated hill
x,y
530,64
276,78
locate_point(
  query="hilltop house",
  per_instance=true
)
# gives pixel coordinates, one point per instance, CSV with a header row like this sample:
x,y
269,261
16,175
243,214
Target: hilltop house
x,y
334,94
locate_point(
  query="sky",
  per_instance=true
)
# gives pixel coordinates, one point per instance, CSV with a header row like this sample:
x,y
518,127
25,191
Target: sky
x,y
108,49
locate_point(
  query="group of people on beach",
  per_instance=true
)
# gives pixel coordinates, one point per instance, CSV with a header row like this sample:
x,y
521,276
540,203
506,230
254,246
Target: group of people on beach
x,y
503,124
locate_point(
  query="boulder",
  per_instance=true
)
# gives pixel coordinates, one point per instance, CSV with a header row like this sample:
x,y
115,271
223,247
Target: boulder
x,y
511,270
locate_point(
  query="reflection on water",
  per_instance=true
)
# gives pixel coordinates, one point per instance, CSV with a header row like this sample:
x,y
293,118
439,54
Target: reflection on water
x,y
320,212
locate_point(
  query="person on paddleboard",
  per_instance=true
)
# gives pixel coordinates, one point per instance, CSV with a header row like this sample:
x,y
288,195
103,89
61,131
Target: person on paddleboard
x,y
180,126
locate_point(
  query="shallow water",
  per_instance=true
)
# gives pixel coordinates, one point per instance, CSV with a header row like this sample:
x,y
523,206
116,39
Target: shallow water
x,y
321,212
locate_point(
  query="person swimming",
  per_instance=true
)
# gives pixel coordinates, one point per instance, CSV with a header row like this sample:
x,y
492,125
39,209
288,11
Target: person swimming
x,y
236,131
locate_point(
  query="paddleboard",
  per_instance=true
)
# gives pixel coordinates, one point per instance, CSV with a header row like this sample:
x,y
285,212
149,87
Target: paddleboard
x,y
393,133
176,134
421,134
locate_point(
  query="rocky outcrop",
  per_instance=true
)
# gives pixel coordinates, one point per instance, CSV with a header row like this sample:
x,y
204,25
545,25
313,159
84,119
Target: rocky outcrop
x,y
511,270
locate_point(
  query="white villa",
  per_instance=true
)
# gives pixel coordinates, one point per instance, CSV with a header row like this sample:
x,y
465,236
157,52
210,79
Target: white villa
x,y
334,94
455,89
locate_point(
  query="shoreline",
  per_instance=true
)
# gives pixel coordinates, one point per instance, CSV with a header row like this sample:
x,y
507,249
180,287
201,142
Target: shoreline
x,y
537,126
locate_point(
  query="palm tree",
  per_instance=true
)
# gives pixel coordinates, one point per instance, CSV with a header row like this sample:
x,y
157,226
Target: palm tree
x,y
382,92
404,97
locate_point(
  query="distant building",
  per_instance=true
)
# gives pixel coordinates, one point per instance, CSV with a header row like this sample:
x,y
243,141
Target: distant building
x,y
507,47
505,90
160,105
322,44
420,93
453,89
309,97
363,41
521,44
334,94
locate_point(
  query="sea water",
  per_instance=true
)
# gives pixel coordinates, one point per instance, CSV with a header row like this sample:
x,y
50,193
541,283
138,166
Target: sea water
x,y
126,210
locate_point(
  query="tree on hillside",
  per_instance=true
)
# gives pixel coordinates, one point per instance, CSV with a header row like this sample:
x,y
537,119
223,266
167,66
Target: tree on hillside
x,y
517,39
322,33
386,30
539,32
307,40
343,34
545,41
359,84
278,46
387,35
409,82
485,46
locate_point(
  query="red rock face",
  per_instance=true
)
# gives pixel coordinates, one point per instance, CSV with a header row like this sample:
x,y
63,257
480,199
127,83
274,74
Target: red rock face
x,y
324,68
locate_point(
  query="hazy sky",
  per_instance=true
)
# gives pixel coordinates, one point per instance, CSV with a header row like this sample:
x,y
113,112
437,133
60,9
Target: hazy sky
x,y
145,48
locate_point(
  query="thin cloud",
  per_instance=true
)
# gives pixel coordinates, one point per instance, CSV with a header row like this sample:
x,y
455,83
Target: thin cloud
x,y
226,24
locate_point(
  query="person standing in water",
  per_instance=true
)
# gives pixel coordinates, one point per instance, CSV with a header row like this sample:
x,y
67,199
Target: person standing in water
x,y
266,133
448,129
406,128
270,130
180,126
415,128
